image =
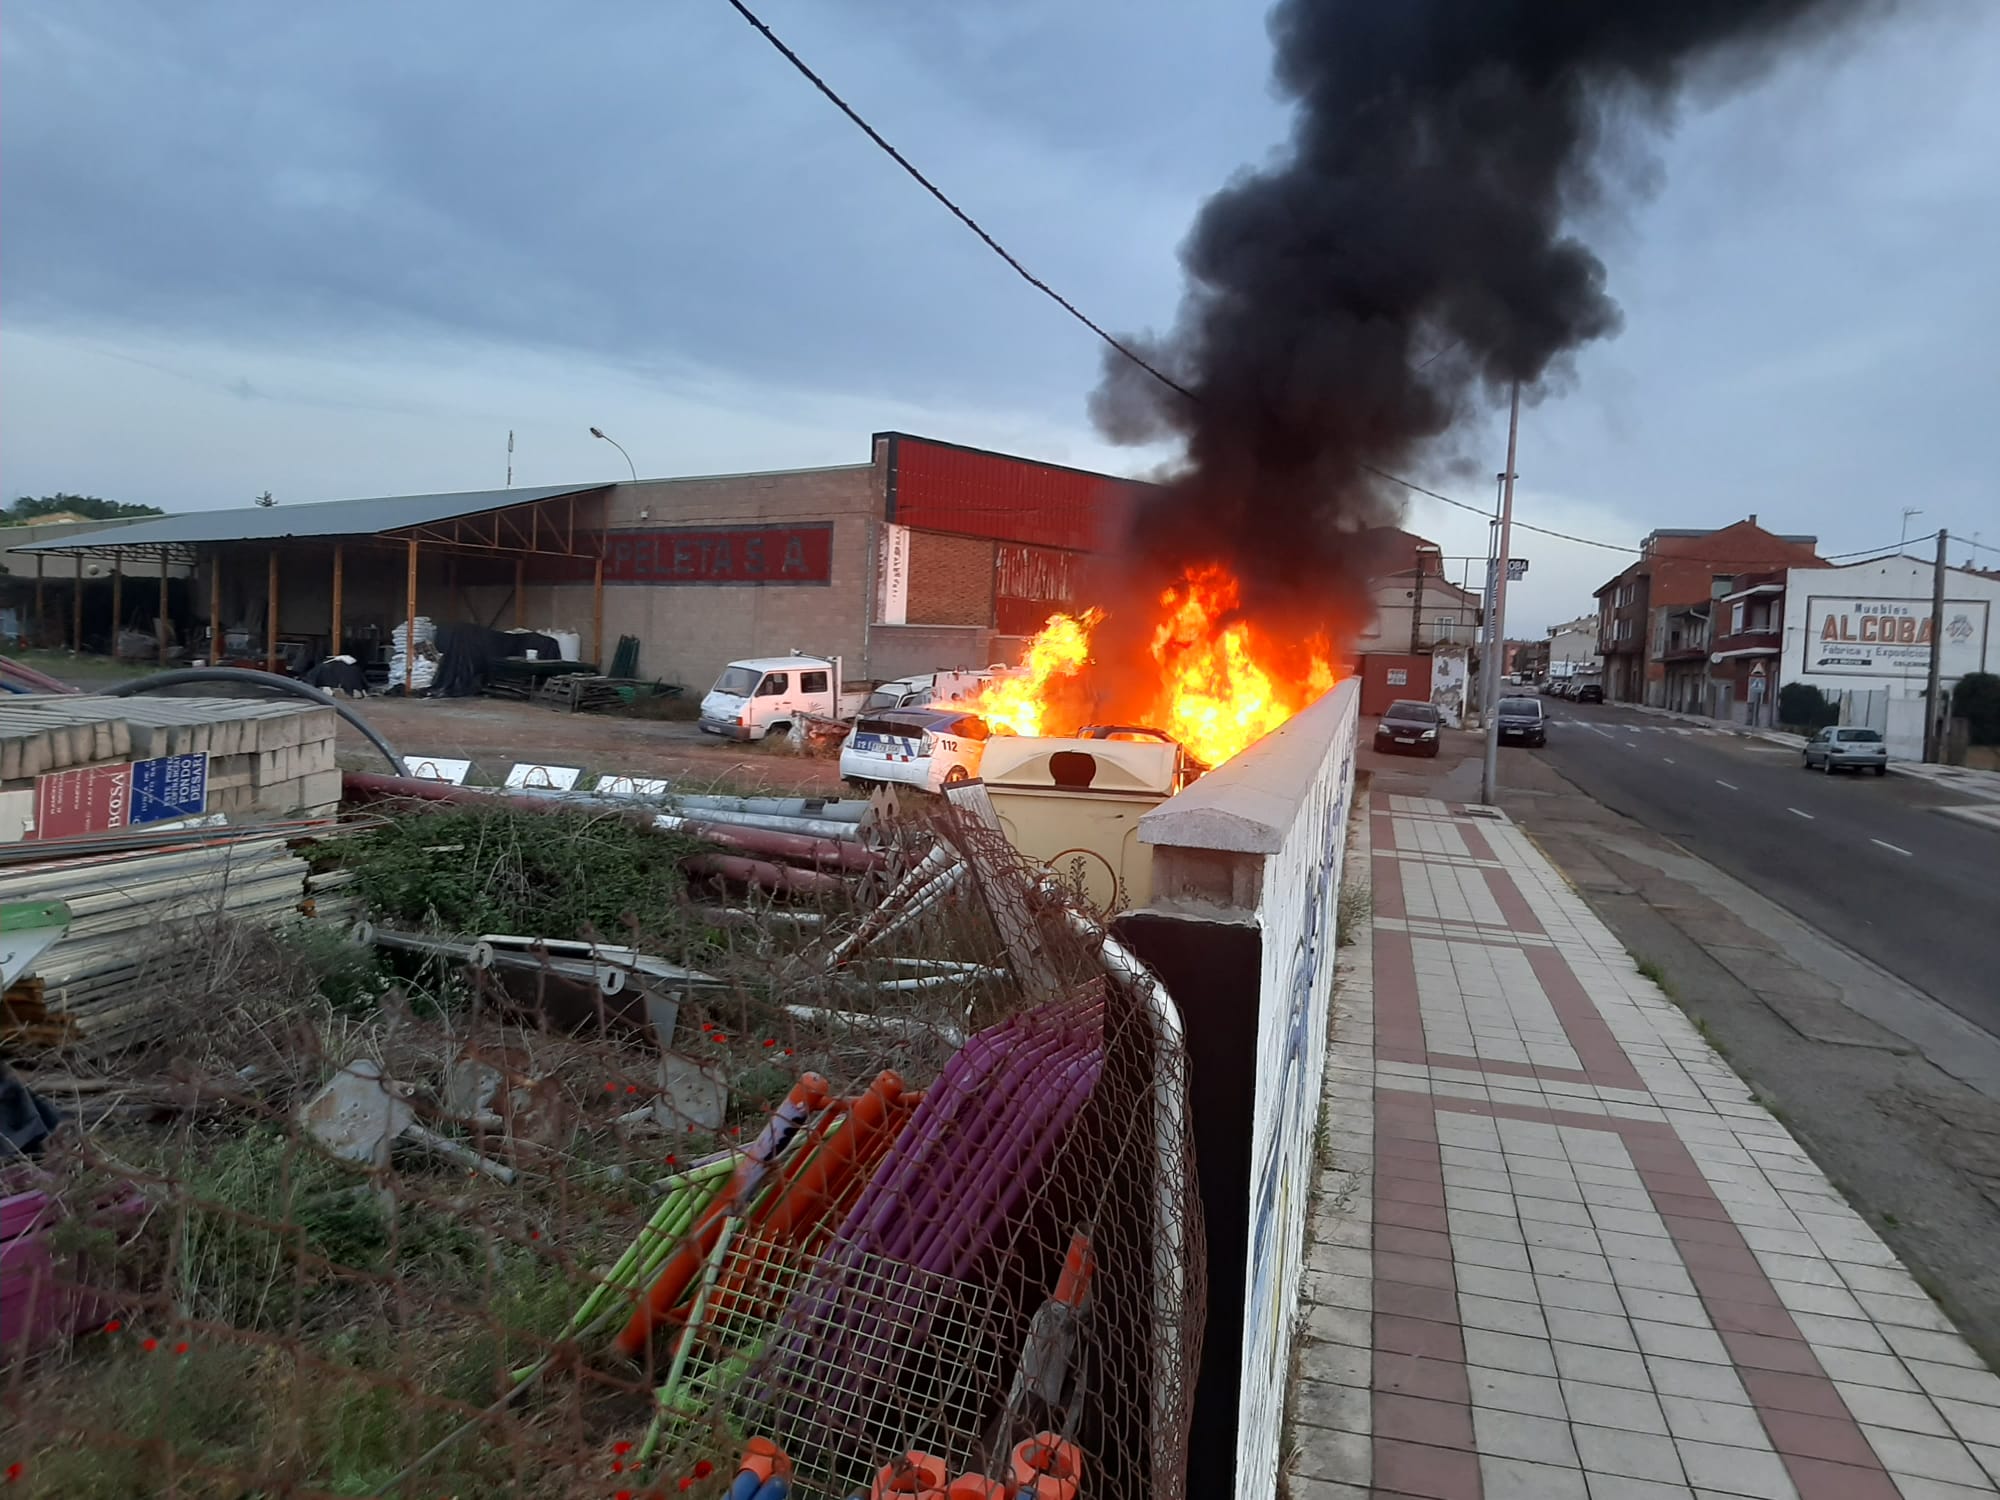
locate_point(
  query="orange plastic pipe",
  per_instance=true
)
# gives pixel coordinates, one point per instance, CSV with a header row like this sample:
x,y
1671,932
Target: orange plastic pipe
x,y
810,1093
915,1475
801,1202
1048,1467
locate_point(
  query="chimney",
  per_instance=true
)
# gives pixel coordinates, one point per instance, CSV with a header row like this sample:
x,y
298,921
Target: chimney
x,y
1753,518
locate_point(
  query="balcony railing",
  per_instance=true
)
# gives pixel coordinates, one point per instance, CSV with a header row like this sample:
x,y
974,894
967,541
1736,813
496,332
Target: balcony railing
x,y
1765,638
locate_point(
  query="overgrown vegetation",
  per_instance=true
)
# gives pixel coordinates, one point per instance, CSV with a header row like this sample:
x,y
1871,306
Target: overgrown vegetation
x,y
557,874
1803,707
1976,699
1356,909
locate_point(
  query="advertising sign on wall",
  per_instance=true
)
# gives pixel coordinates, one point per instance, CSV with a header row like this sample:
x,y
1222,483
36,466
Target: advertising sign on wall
x,y
728,555
1852,637
895,603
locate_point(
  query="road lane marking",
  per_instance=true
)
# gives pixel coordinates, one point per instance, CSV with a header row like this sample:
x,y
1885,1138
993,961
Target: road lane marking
x,y
1892,848
1721,783
1795,812
1668,759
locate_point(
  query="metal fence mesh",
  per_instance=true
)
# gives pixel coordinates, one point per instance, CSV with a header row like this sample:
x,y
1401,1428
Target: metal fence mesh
x,y
909,1195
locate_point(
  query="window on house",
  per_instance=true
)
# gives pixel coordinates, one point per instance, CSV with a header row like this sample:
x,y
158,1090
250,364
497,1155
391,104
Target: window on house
x,y
1736,619
1444,626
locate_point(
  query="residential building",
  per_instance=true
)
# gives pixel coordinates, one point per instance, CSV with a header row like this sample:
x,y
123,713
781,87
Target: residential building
x,y
1572,648
1529,659
1417,608
1676,570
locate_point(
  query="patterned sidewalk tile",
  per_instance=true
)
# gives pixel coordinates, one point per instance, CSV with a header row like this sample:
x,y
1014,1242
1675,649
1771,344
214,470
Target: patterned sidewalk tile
x,y
1561,1250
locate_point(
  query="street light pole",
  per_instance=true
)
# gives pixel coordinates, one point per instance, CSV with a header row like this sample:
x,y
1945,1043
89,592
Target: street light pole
x,y
1489,782
599,432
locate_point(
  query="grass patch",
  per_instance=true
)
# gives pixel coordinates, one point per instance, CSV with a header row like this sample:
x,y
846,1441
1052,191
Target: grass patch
x,y
1650,970
1708,1035
557,874
1355,911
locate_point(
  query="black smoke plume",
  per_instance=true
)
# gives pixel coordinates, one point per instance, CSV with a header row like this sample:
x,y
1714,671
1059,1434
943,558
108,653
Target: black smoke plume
x,y
1414,252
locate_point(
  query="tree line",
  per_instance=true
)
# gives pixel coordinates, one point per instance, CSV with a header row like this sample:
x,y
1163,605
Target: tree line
x,y
91,507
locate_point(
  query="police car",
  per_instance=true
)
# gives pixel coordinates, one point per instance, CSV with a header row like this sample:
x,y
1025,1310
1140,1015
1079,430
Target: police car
x,y
927,748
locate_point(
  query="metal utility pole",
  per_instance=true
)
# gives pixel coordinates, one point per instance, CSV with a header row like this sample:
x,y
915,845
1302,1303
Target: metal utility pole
x,y
1933,729
1417,605
1490,781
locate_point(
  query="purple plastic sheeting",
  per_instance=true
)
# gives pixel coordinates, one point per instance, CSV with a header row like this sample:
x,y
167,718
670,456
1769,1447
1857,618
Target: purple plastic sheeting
x,y
44,1295
943,1197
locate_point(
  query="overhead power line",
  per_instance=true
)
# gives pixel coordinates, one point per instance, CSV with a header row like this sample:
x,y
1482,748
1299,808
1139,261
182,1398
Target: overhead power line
x,y
956,212
805,71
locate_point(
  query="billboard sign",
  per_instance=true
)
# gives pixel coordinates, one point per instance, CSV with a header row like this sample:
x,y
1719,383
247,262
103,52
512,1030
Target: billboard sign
x,y
895,602
1885,637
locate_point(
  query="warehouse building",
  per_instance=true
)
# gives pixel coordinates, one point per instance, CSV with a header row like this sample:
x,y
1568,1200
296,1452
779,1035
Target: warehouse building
x,y
928,554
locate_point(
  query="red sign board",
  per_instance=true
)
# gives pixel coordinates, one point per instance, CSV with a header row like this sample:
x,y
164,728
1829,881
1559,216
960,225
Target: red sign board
x,y
95,799
736,554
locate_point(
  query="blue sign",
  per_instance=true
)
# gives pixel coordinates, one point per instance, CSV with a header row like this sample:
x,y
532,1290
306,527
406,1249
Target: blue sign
x,y
174,786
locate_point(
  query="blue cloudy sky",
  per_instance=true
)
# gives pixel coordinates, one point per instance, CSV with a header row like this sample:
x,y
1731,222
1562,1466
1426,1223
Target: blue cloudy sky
x,y
343,249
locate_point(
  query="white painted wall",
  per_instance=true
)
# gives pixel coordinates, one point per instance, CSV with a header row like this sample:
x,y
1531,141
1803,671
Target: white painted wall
x,y
1836,620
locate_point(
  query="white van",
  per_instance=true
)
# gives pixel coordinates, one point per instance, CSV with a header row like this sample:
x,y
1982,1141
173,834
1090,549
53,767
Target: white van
x,y
763,694
928,748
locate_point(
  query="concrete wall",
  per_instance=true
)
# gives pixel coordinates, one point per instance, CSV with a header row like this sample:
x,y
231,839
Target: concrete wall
x,y
905,650
689,632
1258,841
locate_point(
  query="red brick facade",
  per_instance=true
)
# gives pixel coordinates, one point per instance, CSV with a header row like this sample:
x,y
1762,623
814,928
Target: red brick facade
x,y
1678,570
951,579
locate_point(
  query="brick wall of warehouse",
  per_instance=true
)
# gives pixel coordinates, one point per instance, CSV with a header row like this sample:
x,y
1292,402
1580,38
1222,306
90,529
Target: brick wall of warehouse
x,y
951,579
688,631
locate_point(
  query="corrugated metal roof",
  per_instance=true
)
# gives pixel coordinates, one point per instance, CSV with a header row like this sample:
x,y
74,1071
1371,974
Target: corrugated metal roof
x,y
324,518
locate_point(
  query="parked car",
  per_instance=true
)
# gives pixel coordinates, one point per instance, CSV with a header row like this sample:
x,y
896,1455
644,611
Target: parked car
x,y
927,748
1408,728
1521,721
1589,692
1840,749
924,689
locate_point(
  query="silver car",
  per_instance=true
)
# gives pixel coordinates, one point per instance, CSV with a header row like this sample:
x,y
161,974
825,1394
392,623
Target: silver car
x,y
1840,749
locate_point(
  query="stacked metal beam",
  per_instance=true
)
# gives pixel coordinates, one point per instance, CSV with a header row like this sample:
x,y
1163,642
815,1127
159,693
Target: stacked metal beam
x,y
134,914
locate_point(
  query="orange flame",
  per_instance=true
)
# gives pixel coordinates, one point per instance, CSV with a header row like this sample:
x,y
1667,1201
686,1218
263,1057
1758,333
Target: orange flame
x,y
1221,687
1221,684
1020,702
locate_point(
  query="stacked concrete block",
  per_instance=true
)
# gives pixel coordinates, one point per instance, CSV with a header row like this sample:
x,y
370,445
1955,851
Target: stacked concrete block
x,y
265,759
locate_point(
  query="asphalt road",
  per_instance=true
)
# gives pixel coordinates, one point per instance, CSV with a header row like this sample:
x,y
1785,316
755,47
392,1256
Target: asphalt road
x,y
1864,859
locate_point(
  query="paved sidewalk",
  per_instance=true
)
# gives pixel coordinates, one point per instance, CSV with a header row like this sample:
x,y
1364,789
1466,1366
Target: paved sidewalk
x,y
1562,1254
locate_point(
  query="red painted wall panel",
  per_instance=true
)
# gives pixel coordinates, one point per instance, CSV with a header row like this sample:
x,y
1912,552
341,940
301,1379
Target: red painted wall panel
x,y
942,487
1379,690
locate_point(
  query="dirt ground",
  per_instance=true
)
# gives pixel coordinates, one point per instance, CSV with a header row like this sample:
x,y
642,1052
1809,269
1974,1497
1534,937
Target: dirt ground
x,y
495,734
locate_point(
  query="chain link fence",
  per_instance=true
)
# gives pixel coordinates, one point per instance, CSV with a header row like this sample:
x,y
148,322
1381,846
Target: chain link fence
x,y
883,1187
